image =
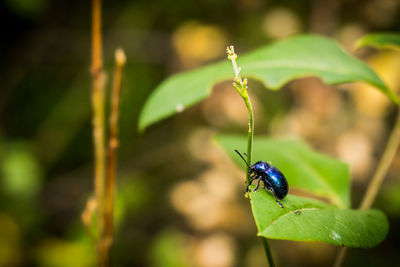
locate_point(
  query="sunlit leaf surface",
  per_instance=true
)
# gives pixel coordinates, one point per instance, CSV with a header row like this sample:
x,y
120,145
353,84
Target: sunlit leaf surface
x,y
305,219
274,65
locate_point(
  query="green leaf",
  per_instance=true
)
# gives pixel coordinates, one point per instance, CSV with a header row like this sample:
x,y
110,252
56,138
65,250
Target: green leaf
x,y
304,168
305,219
274,65
380,40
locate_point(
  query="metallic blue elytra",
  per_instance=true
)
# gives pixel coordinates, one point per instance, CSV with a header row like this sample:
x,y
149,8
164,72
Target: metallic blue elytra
x,y
276,178
273,179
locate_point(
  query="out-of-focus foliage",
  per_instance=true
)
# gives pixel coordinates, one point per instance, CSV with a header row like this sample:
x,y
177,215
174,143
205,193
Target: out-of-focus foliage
x,y
10,241
20,171
133,195
62,253
370,102
27,8
169,250
385,64
390,199
281,22
381,40
195,43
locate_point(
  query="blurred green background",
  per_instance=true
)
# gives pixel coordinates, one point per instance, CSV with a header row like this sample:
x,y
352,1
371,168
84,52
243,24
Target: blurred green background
x,y
179,198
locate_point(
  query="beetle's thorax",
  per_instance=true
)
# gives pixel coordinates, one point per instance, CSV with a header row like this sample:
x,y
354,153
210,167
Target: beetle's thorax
x,y
259,167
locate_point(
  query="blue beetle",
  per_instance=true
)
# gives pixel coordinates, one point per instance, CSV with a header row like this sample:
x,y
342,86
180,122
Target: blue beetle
x,y
273,179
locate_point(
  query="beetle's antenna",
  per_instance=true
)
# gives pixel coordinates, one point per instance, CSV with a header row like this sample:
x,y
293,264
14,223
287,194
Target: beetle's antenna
x,y
242,158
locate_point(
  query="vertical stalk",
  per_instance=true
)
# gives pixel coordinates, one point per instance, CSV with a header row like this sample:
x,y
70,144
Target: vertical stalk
x,y
112,148
98,76
377,179
340,257
268,252
249,134
97,59
241,87
383,166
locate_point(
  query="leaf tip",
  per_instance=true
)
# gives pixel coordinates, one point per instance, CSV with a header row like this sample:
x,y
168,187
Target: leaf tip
x,y
142,124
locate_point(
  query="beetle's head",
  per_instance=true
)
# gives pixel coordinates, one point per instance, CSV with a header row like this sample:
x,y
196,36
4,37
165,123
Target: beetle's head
x,y
259,167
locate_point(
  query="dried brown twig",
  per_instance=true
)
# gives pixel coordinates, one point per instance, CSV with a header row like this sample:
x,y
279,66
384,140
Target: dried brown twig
x,y
105,164
99,78
111,168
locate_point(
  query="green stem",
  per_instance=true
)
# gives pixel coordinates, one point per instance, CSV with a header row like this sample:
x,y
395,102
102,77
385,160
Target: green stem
x,y
241,87
268,252
249,134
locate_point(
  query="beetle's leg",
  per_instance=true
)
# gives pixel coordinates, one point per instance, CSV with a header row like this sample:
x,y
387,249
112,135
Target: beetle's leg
x,y
258,184
252,179
276,198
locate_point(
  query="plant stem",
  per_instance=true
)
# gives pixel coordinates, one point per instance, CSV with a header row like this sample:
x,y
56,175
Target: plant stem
x,y
383,166
268,252
98,76
340,257
249,134
377,179
241,87
112,148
